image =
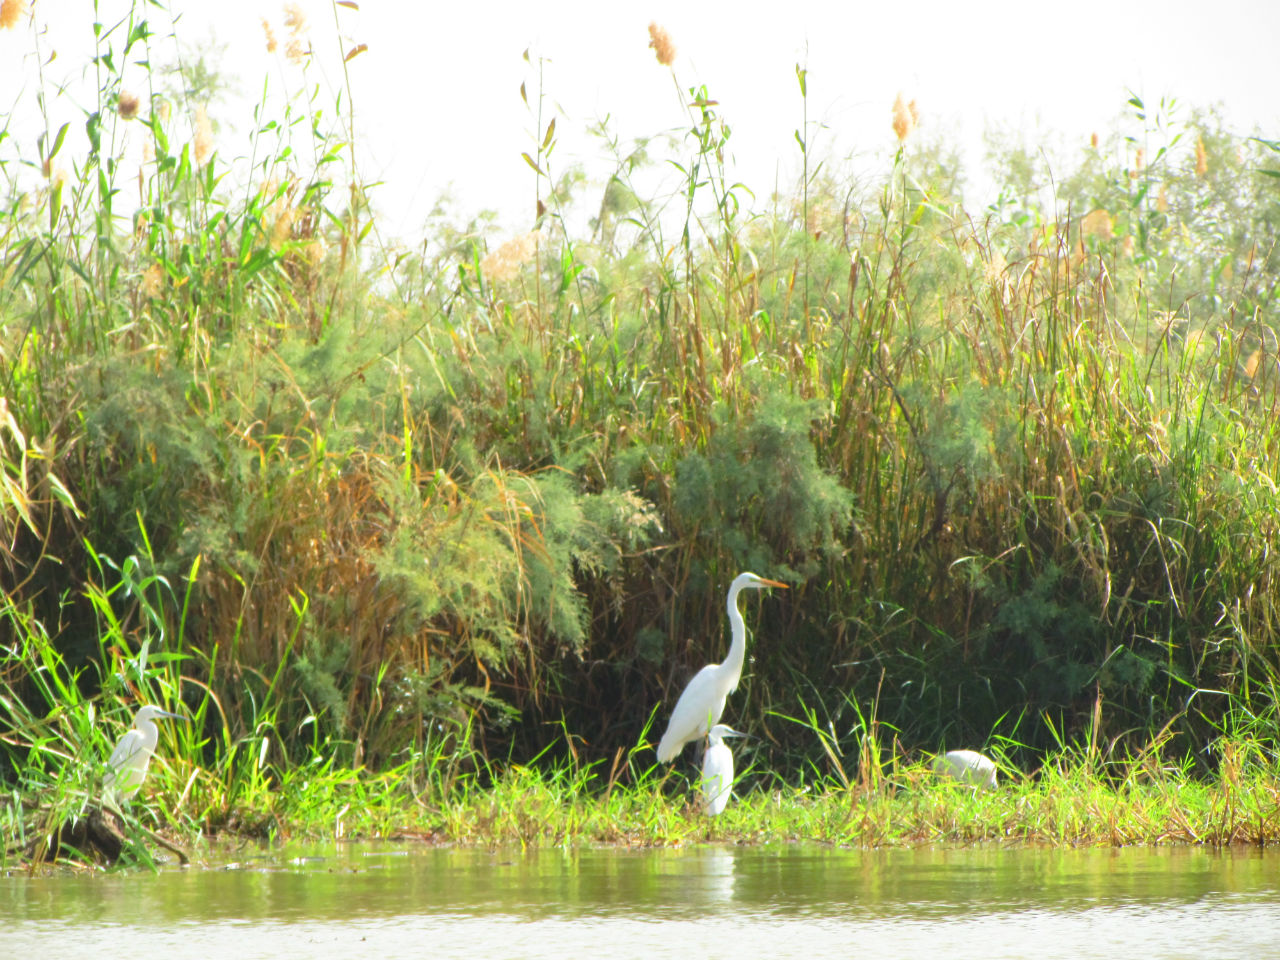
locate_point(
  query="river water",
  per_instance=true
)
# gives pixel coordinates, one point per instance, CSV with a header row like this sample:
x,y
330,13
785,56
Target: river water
x,y
389,901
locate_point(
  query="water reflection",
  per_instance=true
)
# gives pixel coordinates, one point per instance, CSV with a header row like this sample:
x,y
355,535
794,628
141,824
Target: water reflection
x,y
784,901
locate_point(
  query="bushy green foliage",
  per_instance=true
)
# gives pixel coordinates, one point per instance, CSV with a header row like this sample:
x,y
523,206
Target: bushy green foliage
x,y
757,495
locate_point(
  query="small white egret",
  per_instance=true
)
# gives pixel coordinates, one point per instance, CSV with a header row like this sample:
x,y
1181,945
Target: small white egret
x,y
967,766
132,755
717,769
702,702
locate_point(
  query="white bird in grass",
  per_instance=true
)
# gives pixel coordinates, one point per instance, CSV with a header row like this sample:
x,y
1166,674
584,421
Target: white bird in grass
x,y
132,755
967,766
702,702
717,769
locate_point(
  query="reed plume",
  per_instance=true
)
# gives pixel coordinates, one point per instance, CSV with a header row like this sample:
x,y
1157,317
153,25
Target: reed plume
x,y
127,105
11,11
203,137
1098,224
904,118
505,262
296,21
272,43
662,45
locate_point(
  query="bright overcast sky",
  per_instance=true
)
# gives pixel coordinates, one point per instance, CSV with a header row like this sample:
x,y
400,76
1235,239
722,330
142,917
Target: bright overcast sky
x,y
437,103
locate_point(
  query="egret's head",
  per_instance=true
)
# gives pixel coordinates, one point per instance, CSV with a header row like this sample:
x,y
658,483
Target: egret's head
x,y
745,580
154,713
721,730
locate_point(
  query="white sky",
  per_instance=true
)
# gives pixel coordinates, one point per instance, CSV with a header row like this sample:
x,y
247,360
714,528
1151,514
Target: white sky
x,y
437,102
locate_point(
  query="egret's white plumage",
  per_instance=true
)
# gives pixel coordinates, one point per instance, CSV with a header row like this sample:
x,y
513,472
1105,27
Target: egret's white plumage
x,y
132,755
967,766
717,769
702,702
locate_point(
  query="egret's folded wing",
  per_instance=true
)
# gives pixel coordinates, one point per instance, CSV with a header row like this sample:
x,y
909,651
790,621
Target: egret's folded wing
x,y
128,747
696,712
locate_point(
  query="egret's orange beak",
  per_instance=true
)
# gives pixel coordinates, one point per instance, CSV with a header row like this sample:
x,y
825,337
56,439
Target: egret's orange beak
x,y
773,583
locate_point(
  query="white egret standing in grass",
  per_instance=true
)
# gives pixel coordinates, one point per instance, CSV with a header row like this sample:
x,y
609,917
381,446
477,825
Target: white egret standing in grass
x,y
132,755
967,766
717,769
702,702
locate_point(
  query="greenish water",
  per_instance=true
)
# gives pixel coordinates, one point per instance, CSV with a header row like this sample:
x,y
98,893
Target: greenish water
x,y
776,901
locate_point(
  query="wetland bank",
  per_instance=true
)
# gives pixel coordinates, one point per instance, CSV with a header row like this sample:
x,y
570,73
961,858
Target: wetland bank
x,y
427,541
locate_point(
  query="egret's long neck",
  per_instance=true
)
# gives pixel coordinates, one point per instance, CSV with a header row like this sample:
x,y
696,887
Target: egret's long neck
x,y
738,648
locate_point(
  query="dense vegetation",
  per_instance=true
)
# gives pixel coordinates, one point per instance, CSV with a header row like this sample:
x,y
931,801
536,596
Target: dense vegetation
x,y
447,512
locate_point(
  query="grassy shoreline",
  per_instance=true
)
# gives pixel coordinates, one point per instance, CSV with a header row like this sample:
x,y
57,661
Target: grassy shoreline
x,y
530,810
1073,800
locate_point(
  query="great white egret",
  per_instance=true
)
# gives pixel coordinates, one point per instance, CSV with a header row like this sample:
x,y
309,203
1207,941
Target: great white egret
x,y
967,766
702,702
132,755
717,769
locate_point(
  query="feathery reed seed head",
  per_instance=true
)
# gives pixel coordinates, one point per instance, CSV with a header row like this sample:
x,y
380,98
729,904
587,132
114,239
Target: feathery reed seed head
x,y
505,262
904,118
298,47
1202,158
1252,363
294,19
153,280
1093,140
203,137
1098,224
1139,161
283,228
1162,199
994,266
127,105
11,11
272,43
662,44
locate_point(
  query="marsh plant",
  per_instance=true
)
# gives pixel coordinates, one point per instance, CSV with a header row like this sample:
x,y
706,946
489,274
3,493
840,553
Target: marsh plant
x,y
440,513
